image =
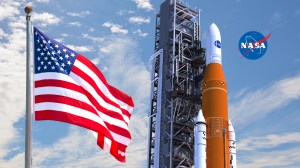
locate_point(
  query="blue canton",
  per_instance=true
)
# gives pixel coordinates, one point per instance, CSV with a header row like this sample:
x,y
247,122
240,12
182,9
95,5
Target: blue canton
x,y
51,56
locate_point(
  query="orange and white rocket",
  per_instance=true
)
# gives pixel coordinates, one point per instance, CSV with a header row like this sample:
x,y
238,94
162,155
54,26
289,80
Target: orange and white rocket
x,y
232,146
214,103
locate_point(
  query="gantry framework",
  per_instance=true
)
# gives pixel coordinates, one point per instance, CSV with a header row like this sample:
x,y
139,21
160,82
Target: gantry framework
x,y
178,69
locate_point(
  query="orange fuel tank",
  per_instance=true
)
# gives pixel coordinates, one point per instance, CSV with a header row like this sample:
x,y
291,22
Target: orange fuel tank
x,y
215,103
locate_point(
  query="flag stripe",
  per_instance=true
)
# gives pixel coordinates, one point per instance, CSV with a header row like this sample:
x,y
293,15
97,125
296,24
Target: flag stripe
x,y
67,109
85,85
72,119
116,125
63,88
79,104
93,98
123,98
114,148
93,84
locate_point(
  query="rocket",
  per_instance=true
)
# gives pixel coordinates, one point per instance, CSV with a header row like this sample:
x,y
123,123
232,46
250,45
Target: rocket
x,y
214,103
200,141
232,146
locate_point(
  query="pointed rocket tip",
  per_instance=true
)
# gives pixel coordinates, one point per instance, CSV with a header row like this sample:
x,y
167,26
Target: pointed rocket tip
x,y
213,47
200,117
213,29
230,127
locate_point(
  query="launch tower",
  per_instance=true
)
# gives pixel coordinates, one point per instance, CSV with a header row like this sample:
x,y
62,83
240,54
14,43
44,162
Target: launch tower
x,y
178,69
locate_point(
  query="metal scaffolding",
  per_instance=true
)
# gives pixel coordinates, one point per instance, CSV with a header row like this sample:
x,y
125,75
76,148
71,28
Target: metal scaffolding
x,y
178,69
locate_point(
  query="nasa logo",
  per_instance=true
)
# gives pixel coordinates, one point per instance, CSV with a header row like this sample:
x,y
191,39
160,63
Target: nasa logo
x,y
218,43
253,45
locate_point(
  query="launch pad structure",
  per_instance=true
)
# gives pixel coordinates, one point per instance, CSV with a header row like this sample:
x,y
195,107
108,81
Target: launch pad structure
x,y
178,69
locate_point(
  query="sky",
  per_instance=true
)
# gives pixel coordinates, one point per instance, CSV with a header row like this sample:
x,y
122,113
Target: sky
x,y
118,36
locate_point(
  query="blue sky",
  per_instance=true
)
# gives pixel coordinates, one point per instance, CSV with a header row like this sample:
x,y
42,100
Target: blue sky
x,y
118,36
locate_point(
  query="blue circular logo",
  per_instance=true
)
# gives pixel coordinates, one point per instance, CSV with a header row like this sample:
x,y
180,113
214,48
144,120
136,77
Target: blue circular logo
x,y
253,45
218,43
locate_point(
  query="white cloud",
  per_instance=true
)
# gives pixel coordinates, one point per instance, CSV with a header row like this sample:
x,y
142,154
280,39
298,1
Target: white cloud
x,y
115,28
268,141
287,158
44,19
2,34
94,39
75,24
276,20
80,48
43,1
257,104
144,4
139,20
123,12
140,33
12,81
65,35
91,29
81,14
8,9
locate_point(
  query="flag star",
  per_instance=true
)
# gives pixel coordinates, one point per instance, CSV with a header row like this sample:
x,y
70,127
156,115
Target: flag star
x,y
53,53
51,47
61,68
49,42
56,63
53,67
38,40
45,49
39,68
56,46
60,57
42,53
65,50
49,62
45,58
48,53
69,62
73,55
42,62
41,45
52,58
45,67
67,56
63,65
38,49
38,58
44,41
36,33
58,52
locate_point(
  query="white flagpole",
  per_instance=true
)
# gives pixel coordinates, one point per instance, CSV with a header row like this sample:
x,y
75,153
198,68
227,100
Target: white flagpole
x,y
29,90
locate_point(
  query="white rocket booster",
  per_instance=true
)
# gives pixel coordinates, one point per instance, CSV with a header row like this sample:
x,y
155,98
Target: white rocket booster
x,y
232,145
200,141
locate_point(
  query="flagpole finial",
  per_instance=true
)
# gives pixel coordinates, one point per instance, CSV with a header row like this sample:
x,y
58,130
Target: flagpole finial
x,y
28,9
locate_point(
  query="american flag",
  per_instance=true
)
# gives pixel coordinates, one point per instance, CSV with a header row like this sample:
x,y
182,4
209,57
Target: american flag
x,y
70,88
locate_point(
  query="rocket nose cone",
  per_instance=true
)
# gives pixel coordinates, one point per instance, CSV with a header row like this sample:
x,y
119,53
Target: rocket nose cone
x,y
230,127
214,28
213,48
200,117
